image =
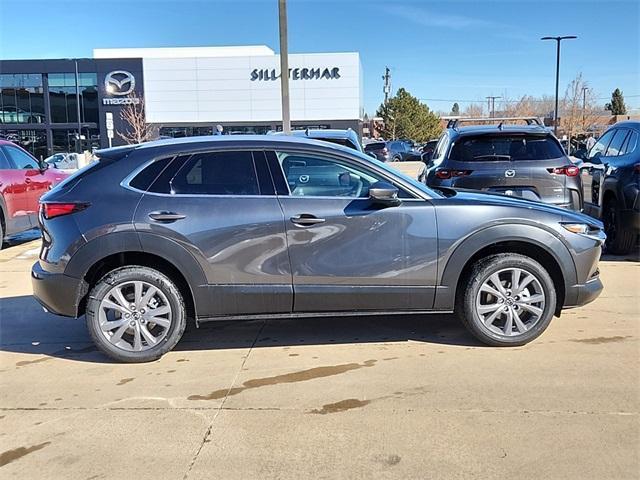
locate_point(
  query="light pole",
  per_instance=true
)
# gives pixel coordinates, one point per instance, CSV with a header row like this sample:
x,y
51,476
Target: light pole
x,y
284,66
558,40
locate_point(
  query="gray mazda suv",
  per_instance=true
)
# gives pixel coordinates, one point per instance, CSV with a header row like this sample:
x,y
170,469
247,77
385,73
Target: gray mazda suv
x,y
214,228
515,160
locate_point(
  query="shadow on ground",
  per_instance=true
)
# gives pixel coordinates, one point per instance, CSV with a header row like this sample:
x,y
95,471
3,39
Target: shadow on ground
x,y
26,328
20,238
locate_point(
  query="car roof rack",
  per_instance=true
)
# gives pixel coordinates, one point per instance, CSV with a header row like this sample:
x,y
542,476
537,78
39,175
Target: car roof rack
x,y
454,122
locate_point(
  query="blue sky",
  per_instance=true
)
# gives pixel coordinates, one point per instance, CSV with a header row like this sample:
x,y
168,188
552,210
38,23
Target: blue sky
x,y
453,50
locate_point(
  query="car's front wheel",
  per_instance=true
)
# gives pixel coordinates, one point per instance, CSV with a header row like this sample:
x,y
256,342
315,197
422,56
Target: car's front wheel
x,y
135,314
509,300
620,238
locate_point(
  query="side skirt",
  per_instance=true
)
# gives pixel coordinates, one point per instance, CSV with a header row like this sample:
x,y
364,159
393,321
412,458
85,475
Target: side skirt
x,y
359,313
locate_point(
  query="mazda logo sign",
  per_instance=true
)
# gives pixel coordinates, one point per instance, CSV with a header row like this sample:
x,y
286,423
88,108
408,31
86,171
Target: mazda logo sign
x,y
510,173
119,82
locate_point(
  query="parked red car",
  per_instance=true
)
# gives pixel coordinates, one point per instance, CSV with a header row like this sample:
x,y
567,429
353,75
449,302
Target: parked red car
x,y
23,180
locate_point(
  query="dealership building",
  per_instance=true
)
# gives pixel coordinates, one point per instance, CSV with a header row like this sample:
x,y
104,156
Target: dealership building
x,y
186,91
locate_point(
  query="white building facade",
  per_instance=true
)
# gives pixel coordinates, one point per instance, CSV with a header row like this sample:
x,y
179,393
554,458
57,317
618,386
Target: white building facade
x,y
188,91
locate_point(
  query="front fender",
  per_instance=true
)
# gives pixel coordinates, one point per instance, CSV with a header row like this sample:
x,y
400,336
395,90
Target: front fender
x,y
457,256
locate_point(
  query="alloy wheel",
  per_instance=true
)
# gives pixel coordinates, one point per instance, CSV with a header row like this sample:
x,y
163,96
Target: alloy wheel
x,y
135,316
510,302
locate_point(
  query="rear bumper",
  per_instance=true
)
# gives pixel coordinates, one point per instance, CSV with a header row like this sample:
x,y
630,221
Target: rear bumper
x,y
57,292
584,293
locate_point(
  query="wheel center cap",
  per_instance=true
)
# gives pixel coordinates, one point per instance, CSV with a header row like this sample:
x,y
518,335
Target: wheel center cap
x,y
510,301
136,315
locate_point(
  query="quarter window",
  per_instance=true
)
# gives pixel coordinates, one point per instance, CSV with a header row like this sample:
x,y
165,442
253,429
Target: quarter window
x,y
211,173
21,160
314,176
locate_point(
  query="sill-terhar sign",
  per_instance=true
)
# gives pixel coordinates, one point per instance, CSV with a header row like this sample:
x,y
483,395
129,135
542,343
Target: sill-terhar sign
x,y
296,74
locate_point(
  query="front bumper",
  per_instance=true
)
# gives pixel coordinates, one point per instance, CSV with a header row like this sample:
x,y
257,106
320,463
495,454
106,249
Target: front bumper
x,y
584,293
57,292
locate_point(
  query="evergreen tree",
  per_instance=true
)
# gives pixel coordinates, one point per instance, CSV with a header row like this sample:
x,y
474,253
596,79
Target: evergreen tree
x,y
455,110
617,105
406,117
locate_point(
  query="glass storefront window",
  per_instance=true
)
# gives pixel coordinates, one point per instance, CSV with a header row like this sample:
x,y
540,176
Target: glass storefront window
x,y
33,141
63,99
67,141
21,98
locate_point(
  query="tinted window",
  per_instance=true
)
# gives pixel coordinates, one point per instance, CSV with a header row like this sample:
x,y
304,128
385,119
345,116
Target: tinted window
x,y
20,159
212,173
616,144
601,145
630,144
4,163
374,146
314,176
440,147
505,148
145,178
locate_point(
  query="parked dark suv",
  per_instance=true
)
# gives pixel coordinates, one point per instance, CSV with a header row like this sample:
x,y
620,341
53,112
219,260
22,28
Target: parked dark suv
x,y
611,181
212,228
392,151
520,161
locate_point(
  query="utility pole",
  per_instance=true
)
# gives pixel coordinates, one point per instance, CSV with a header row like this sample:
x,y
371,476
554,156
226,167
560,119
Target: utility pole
x,y
584,106
491,105
558,40
284,66
386,89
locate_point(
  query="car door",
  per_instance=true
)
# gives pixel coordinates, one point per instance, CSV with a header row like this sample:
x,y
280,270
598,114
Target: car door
x,y
222,207
15,193
35,182
591,172
346,252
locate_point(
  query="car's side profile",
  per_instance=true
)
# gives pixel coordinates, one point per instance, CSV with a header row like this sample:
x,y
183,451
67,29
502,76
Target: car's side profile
x,y
22,181
254,227
611,181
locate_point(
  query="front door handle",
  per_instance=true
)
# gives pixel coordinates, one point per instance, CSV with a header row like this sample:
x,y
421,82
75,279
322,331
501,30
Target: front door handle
x,y
166,217
306,219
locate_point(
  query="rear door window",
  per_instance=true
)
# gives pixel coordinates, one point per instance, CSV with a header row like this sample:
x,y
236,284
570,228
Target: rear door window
x,y
4,162
210,173
505,148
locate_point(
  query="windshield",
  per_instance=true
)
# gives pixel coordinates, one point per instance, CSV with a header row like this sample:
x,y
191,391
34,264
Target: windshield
x,y
505,148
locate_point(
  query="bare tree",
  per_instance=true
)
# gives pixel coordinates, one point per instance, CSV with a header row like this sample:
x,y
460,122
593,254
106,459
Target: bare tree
x,y
137,129
579,107
473,110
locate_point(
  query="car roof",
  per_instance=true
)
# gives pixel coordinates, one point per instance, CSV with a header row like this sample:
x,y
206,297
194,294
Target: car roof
x,y
496,130
233,141
635,124
321,133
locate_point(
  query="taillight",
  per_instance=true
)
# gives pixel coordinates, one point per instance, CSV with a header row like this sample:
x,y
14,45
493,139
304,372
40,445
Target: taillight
x,y
569,171
52,210
445,173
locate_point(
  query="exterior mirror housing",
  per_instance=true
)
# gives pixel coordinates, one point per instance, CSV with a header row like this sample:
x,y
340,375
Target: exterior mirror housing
x,y
384,193
371,154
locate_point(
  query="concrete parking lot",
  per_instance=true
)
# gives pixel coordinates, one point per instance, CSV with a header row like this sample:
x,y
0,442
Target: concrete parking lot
x,y
377,397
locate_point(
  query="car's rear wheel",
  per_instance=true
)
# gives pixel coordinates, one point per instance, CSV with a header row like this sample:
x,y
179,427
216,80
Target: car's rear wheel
x,y
620,239
135,314
509,300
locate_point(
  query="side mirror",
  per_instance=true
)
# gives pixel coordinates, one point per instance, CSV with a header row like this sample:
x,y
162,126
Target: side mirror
x,y
371,154
427,156
384,193
42,166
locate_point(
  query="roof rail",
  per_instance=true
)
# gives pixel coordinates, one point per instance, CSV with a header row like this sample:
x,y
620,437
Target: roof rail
x,y
453,122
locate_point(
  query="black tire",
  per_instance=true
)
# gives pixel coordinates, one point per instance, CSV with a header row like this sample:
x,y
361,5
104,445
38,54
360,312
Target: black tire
x,y
152,277
620,239
1,235
470,286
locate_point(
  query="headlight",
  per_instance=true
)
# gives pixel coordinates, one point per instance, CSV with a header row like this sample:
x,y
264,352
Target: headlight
x,y
581,228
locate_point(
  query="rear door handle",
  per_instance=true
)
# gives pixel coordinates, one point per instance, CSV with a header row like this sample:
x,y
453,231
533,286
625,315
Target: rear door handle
x,y
306,219
166,217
